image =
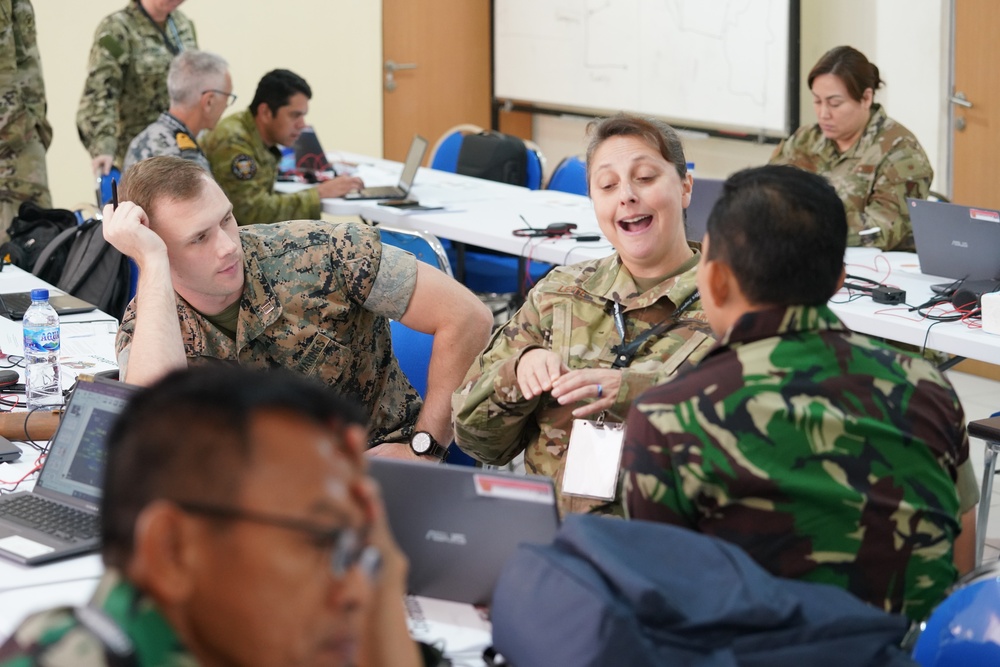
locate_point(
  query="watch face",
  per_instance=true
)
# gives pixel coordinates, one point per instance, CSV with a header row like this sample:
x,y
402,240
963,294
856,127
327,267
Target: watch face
x,y
421,442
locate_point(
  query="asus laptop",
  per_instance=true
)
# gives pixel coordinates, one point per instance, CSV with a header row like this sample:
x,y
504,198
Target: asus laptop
x,y
413,159
59,517
956,241
14,304
458,525
703,197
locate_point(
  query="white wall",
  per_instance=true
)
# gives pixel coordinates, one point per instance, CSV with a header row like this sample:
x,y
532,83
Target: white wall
x,y
336,46
907,39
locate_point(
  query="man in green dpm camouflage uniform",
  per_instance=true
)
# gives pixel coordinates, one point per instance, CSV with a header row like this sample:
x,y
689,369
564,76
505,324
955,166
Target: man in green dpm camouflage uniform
x,y
25,134
873,177
827,455
126,86
570,313
310,296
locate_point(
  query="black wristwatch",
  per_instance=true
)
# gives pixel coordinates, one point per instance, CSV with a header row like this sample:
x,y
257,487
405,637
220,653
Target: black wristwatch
x,y
424,444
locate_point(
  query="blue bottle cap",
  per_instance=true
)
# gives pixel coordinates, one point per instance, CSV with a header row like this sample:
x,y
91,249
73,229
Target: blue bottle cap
x,y
39,294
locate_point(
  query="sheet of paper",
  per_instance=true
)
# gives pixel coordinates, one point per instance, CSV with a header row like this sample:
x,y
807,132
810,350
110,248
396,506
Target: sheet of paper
x,y
461,630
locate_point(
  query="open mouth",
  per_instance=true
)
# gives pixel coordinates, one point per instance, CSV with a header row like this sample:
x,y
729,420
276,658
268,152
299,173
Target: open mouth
x,y
635,224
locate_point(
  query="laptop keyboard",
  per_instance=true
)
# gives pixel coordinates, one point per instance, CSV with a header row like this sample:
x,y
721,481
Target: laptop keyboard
x,y
15,304
58,520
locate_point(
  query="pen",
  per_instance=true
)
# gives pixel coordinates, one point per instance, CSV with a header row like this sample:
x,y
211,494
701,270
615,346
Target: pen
x,y
114,194
525,221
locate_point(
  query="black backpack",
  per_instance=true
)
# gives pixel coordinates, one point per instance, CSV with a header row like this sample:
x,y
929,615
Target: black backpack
x,y
494,157
31,231
85,265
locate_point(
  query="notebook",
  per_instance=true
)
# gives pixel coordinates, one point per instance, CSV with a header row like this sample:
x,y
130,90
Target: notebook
x,y
67,495
413,159
703,197
956,241
14,304
458,525
309,155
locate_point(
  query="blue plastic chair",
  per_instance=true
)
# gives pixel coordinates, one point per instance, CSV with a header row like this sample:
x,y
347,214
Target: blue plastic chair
x,y
570,175
533,180
413,348
444,155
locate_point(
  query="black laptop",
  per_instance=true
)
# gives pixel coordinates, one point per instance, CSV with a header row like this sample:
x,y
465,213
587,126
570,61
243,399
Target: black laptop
x,y
309,154
458,525
60,516
14,304
413,159
955,241
704,194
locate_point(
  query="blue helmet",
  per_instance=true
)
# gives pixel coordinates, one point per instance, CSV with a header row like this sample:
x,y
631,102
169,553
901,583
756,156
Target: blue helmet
x,y
964,630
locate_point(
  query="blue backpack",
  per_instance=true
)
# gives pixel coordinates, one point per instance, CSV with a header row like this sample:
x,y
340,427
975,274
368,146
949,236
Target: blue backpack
x,y
609,592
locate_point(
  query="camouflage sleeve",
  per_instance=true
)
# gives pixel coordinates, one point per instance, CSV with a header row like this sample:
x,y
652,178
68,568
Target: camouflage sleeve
x,y
123,339
394,283
493,420
251,191
904,172
651,488
97,114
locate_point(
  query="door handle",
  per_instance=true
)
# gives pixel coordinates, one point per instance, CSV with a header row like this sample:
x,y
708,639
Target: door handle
x,y
391,67
961,100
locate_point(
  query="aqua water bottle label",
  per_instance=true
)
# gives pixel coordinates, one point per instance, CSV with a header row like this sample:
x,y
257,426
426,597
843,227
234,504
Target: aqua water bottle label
x,y
41,340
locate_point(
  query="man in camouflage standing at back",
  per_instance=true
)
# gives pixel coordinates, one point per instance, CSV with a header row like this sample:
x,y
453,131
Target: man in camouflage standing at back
x,y
25,134
126,87
827,455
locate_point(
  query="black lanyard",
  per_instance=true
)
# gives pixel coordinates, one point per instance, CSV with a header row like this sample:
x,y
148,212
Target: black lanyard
x,y
625,352
173,48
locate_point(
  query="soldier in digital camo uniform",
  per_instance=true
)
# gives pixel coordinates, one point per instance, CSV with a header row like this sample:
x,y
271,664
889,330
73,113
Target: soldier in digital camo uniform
x,y
126,86
243,151
554,361
311,296
200,89
25,134
827,455
873,162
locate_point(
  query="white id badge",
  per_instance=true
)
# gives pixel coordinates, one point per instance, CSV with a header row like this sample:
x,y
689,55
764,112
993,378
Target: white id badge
x,y
593,459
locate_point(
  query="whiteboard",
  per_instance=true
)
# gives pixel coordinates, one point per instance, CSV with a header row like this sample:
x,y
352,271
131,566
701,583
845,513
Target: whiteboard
x,y
704,63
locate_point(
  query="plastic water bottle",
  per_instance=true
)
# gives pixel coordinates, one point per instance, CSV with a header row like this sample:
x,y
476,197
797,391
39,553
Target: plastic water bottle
x,y
43,388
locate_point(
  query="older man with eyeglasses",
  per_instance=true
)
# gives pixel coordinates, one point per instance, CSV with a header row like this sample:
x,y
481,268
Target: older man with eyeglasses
x,y
200,89
239,528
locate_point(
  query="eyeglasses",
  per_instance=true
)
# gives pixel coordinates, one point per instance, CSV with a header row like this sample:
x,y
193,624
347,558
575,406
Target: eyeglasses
x,y
229,102
348,547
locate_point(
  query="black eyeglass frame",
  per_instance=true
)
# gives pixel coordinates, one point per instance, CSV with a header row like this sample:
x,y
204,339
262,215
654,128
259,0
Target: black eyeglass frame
x,y
348,547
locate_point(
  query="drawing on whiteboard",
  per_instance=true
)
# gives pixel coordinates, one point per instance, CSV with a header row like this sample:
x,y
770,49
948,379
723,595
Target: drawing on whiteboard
x,y
722,63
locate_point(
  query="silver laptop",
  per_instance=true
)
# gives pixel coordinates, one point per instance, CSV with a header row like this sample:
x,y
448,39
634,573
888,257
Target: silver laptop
x,y
413,159
458,525
703,197
14,304
956,241
60,516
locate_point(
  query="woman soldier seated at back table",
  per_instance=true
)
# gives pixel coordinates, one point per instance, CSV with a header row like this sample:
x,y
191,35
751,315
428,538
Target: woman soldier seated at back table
x,y
592,336
872,161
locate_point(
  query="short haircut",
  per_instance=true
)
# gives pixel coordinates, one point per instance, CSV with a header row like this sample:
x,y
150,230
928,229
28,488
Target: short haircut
x,y
164,177
657,134
850,66
188,438
783,232
276,88
193,72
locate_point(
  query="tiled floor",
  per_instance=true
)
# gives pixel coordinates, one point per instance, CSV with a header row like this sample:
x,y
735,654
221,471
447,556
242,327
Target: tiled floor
x,y
980,399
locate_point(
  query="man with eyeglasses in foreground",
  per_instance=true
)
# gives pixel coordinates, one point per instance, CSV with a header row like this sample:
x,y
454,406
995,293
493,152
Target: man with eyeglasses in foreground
x,y
239,528
200,88
244,154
